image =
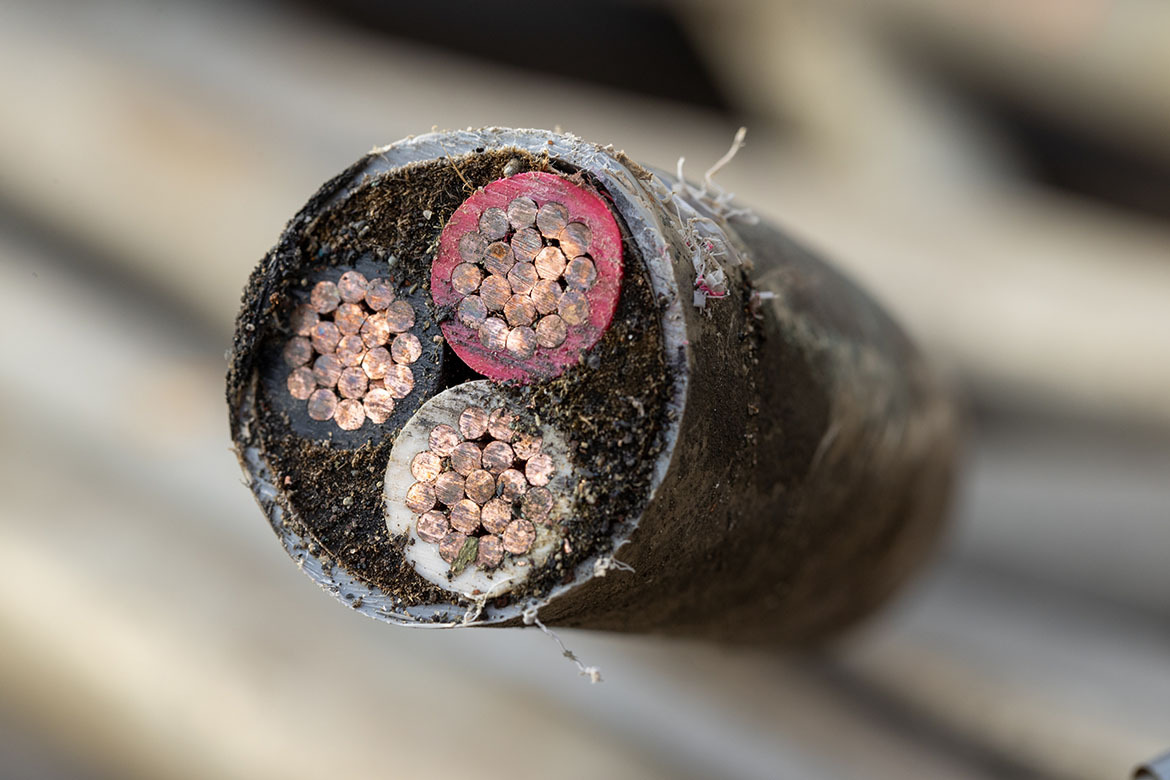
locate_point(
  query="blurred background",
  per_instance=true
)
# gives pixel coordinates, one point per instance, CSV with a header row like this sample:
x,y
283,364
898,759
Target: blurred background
x,y
998,173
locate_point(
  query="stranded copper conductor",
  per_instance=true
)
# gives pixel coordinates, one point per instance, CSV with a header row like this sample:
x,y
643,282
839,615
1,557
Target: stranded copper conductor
x,y
536,504
327,370
465,516
473,422
379,405
325,337
399,316
352,383
443,440
325,297
304,317
575,250
351,351
352,286
349,414
519,310
420,497
519,536
297,352
377,362
432,527
484,487
465,458
539,469
375,331
322,404
493,333
449,488
500,423
399,381
466,278
451,545
406,348
522,212
344,340
349,318
521,342
512,484
490,553
379,295
495,515
480,486
301,383
497,456
425,466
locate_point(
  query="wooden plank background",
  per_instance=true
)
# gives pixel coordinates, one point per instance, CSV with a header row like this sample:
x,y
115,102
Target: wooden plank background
x,y
151,627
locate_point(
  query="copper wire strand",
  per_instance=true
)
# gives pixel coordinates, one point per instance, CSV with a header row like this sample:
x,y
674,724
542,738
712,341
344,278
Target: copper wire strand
x,y
354,339
529,262
493,492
